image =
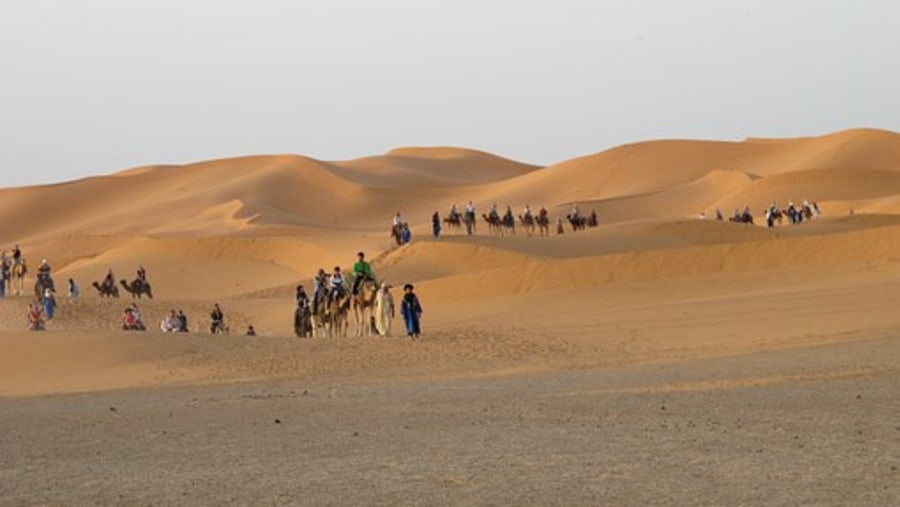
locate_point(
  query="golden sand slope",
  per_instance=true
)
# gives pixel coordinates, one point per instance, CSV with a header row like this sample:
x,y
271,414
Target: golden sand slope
x,y
245,231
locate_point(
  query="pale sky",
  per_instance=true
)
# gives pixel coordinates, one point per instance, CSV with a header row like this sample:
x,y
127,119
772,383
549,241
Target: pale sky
x,y
91,87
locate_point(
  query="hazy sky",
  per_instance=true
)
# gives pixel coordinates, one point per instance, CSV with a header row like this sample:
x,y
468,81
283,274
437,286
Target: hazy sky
x,y
94,86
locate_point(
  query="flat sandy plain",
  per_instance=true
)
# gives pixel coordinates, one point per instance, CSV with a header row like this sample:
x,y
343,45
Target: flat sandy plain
x,y
658,359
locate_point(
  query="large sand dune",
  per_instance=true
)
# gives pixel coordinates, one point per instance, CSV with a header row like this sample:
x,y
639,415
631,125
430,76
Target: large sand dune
x,y
653,288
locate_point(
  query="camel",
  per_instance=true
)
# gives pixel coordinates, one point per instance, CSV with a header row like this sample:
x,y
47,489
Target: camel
x,y
363,303
527,222
578,222
543,222
493,223
470,222
397,233
107,290
453,221
137,288
17,277
330,315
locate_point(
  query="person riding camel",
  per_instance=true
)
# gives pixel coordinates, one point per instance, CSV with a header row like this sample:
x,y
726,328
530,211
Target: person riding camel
x,y
526,212
142,274
397,220
508,216
320,288
362,271
17,255
543,213
336,284
575,213
470,212
44,269
494,215
454,213
109,281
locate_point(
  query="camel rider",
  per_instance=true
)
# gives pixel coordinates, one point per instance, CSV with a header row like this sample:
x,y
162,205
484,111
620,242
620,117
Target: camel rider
x,y
508,216
470,212
142,274
336,283
575,213
543,213
526,212
44,270
454,213
397,220
17,255
109,281
494,215
362,270
320,287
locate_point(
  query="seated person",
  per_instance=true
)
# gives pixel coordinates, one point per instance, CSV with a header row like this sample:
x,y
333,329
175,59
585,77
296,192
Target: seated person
x,y
362,271
337,283
251,331
35,318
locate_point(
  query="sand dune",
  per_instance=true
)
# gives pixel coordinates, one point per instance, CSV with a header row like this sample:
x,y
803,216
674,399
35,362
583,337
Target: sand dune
x,y
695,331
245,231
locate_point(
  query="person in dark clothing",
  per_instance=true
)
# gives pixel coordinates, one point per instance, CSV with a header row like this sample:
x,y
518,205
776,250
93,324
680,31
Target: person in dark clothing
x,y
411,310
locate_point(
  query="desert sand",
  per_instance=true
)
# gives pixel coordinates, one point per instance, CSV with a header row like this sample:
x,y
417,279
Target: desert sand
x,y
657,359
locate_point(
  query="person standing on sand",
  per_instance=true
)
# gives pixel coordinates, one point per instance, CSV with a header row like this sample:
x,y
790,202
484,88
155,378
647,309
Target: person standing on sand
x,y
384,309
411,310
49,302
405,234
74,291
436,224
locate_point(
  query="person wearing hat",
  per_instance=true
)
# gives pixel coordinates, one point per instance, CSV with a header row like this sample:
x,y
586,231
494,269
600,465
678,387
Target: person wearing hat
x,y
362,270
411,310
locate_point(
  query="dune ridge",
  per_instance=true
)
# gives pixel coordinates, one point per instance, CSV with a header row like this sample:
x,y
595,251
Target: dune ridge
x,y
245,231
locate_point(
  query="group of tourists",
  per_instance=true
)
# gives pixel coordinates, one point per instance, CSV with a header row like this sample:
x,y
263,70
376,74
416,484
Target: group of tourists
x,y
333,287
794,213
497,221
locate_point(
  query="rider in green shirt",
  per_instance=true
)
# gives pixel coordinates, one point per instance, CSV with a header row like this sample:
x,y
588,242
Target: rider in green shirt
x,y
362,270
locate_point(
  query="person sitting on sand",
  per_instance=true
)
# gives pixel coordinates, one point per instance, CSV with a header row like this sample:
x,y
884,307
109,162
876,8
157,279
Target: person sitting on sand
x,y
35,317
182,322
251,331
170,324
129,320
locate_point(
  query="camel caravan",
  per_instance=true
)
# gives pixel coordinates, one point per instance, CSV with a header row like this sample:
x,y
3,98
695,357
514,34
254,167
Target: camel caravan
x,y
336,301
505,224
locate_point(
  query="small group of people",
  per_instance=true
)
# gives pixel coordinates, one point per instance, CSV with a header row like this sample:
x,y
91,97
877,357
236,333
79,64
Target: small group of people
x,y
133,319
795,213
328,287
400,230
175,322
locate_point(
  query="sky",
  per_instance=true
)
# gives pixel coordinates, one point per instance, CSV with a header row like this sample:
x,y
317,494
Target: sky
x,y
97,86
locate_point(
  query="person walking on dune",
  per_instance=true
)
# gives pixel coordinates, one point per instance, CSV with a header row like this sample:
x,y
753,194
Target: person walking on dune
x,y
411,310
